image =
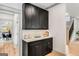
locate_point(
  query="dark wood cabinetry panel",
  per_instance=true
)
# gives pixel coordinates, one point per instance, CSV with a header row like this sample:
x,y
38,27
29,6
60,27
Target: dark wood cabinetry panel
x,y
24,48
34,49
34,17
47,46
39,48
27,17
43,19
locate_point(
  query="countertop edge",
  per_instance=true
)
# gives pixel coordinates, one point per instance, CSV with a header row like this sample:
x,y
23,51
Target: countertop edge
x,y
35,39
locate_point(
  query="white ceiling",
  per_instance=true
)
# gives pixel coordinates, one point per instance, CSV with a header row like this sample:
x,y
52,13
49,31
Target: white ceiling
x,y
43,5
73,9
13,5
19,5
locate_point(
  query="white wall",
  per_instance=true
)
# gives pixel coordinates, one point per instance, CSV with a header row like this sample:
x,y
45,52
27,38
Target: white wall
x,y
15,29
57,27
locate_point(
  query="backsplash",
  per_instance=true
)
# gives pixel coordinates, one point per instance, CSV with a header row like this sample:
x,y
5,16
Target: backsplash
x,y
28,34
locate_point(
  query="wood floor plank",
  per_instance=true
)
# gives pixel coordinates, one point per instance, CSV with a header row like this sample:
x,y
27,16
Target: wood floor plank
x,y
55,54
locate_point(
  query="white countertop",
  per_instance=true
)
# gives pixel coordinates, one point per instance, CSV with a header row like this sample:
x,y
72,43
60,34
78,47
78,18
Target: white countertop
x,y
35,39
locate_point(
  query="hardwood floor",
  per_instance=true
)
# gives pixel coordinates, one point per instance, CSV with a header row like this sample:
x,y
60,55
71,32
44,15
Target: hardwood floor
x,y
55,54
73,48
9,49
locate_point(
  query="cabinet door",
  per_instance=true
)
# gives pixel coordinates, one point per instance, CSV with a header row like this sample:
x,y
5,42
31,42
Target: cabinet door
x,y
35,18
35,49
43,19
44,49
40,48
28,16
47,46
50,45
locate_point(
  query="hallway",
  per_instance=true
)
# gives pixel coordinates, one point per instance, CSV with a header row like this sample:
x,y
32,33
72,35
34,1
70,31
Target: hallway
x,y
73,46
73,49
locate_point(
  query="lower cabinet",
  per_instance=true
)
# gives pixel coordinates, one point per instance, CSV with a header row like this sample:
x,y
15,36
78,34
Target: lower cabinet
x,y
24,48
39,48
35,50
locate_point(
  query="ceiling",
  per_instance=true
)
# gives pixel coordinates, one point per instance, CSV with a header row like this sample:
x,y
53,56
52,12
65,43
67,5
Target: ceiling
x,y
73,9
13,5
43,5
19,5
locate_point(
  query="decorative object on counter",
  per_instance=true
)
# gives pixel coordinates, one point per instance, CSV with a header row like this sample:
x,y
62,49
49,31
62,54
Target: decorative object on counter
x,y
27,36
46,34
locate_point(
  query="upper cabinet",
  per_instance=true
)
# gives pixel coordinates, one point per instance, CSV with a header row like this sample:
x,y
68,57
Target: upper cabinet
x,y
34,17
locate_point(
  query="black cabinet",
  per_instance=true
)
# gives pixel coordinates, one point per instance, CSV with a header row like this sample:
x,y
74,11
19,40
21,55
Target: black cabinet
x,y
34,17
43,19
34,49
39,48
26,16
